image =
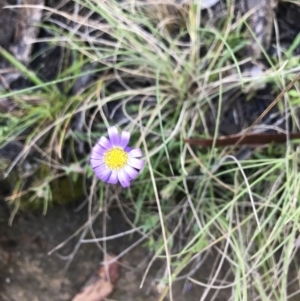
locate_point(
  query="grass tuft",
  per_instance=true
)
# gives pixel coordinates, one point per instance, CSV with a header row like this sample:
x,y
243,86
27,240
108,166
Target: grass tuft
x,y
163,72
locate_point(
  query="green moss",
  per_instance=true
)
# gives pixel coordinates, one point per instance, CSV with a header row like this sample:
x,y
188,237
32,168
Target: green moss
x,y
65,189
42,189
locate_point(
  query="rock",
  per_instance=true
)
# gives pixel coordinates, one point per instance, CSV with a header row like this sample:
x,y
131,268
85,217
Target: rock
x,y
17,31
7,19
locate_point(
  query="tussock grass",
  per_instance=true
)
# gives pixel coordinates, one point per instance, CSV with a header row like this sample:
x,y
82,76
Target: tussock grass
x,y
158,70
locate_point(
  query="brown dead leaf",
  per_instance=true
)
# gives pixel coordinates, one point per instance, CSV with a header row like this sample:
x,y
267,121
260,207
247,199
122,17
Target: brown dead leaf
x,y
101,284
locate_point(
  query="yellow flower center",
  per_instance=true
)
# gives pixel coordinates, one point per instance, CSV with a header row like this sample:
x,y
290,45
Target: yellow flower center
x,y
115,158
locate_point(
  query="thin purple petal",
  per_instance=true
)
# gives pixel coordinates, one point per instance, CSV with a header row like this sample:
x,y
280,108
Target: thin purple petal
x,y
127,149
125,136
96,156
131,172
123,178
96,162
98,150
102,172
113,136
136,163
135,153
113,179
105,143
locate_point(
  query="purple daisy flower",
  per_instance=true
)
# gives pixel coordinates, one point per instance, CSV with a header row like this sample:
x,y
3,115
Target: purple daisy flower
x,y
113,161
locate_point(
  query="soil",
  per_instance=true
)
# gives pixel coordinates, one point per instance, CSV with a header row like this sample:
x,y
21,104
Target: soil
x,y
28,273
